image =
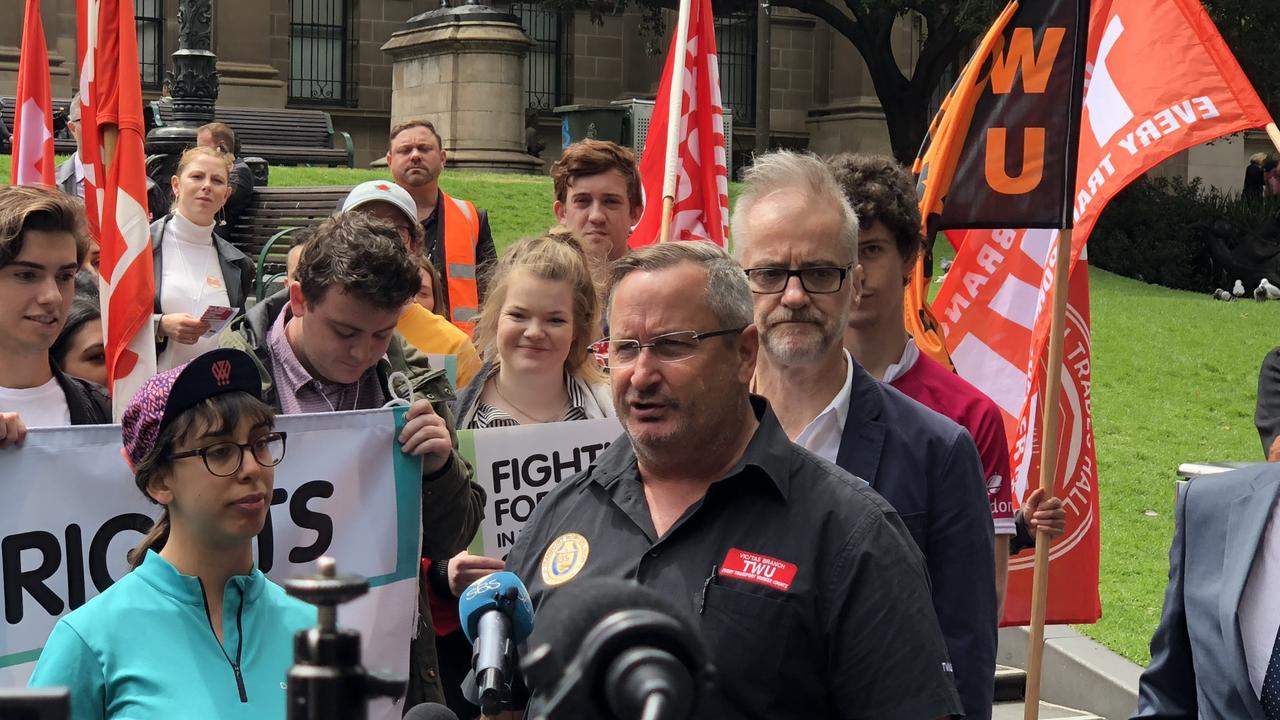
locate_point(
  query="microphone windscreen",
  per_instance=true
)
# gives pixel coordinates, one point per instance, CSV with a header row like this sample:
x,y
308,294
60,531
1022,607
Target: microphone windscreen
x,y
501,590
430,711
571,612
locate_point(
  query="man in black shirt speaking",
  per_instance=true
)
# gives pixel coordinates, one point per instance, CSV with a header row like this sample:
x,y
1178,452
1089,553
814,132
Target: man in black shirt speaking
x,y
809,593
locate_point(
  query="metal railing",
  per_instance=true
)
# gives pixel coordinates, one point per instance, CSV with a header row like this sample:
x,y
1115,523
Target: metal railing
x,y
321,52
149,19
736,48
547,67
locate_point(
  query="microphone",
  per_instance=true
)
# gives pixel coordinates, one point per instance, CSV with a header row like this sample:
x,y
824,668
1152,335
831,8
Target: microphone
x,y
496,614
614,649
430,711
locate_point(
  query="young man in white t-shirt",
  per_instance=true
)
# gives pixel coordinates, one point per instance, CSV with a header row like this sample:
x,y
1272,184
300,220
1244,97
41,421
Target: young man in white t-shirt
x,y
42,245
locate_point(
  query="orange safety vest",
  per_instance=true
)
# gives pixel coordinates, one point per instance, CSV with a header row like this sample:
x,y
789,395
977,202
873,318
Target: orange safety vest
x,y
461,233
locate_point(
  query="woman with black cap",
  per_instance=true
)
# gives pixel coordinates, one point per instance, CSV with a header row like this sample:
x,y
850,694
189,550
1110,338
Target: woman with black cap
x,y
195,630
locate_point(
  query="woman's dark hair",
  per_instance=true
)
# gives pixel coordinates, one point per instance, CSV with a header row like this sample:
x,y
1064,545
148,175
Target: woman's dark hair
x,y
83,311
219,414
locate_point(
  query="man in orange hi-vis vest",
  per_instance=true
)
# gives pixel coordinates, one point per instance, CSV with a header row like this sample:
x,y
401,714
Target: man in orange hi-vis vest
x,y
456,235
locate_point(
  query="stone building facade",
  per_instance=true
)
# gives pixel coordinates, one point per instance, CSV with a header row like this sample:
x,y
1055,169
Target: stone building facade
x,y
327,54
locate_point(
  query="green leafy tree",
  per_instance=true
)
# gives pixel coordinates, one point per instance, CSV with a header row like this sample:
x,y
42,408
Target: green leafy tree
x,y
1252,31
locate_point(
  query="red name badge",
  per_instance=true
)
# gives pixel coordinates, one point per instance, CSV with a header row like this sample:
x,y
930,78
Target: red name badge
x,y
756,568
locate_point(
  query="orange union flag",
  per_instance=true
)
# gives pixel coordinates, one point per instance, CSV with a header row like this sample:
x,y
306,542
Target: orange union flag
x,y
1001,151
1161,80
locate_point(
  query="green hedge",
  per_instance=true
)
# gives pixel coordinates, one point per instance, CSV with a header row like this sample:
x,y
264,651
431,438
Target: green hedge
x,y
1157,230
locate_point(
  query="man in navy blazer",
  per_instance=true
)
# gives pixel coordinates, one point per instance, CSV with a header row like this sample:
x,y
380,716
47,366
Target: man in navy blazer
x,y
797,238
1214,655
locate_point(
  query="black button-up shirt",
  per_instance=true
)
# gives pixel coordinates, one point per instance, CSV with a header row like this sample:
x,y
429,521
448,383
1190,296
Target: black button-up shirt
x,y
812,599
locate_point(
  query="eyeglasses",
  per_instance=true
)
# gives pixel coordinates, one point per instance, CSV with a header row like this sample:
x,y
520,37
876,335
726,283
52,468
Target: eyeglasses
x,y
814,280
224,458
615,353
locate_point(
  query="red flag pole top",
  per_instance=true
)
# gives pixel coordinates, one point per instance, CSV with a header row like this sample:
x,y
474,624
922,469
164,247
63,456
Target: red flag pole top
x,y
32,161
685,157
671,166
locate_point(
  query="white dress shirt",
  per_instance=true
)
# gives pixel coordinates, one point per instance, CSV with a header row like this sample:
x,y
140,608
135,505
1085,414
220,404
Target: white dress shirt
x,y
1259,609
823,433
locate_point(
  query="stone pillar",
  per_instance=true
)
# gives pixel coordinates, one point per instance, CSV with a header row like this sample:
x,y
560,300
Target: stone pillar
x,y
463,68
245,76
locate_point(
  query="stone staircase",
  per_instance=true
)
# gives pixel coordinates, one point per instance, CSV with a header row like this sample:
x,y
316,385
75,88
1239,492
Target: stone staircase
x,y
1010,693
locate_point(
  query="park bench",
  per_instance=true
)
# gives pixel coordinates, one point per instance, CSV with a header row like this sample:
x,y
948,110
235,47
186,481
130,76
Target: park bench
x,y
61,145
265,229
281,136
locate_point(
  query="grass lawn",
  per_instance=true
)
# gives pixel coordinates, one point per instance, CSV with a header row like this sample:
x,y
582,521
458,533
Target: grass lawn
x,y
1174,380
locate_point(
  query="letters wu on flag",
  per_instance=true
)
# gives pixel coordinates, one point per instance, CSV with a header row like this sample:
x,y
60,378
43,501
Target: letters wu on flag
x,y
701,210
994,303
1000,152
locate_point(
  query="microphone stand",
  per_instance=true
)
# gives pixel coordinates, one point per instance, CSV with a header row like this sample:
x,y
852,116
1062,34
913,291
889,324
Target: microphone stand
x,y
327,680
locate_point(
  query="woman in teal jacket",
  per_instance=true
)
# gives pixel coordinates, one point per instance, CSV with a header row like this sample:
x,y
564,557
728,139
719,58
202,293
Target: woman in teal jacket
x,y
194,630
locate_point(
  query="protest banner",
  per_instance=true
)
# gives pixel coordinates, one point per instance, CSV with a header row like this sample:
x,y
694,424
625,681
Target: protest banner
x,y
518,466
448,362
71,512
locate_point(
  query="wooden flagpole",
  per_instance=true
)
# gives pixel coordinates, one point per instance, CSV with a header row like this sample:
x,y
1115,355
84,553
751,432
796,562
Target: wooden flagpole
x,y
675,108
1274,133
1048,470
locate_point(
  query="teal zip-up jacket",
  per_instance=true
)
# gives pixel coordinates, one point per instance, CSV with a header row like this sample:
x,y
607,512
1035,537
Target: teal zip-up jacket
x,y
144,649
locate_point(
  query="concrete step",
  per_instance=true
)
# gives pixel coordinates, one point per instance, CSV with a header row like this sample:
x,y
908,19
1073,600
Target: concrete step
x,y
1011,684
1048,711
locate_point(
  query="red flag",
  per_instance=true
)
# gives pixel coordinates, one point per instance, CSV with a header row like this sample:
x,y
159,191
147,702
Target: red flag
x,y
701,209
33,118
127,275
90,151
995,303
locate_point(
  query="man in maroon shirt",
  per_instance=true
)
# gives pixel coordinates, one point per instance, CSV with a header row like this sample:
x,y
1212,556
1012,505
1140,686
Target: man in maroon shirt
x,y
882,194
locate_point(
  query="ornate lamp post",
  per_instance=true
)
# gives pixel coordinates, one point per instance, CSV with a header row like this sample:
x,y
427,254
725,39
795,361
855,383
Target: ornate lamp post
x,y
193,83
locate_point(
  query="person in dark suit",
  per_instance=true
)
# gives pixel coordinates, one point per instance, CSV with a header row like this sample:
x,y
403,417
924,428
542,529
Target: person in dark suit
x,y
1214,655
1266,416
70,174
221,137
796,235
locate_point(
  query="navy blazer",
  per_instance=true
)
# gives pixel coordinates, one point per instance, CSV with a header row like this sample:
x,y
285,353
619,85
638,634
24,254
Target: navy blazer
x,y
1197,665
928,468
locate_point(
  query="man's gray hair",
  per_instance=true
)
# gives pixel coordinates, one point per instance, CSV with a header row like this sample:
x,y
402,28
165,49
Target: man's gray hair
x,y
804,173
728,296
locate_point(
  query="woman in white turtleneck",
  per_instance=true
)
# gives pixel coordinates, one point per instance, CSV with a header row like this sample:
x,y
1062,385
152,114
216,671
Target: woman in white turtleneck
x,y
194,268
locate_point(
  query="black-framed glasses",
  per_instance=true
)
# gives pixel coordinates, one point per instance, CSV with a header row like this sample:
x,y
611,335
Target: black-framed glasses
x,y
814,280
614,353
224,458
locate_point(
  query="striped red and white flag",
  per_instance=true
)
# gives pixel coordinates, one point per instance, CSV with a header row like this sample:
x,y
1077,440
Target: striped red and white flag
x,y
128,282
33,121
701,209
90,150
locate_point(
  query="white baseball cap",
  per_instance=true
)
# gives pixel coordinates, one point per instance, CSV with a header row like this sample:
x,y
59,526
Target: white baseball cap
x,y
382,191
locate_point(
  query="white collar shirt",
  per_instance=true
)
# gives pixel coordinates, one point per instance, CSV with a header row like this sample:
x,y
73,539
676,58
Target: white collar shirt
x,y
1259,611
823,433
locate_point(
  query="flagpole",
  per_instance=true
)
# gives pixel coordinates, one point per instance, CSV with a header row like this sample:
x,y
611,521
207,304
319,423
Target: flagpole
x,y
1274,133
675,108
1048,470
